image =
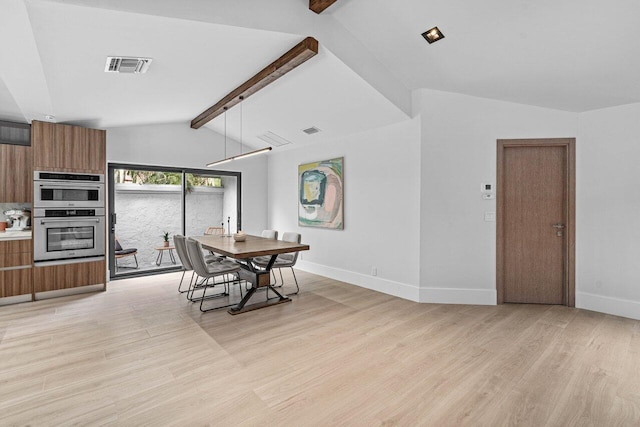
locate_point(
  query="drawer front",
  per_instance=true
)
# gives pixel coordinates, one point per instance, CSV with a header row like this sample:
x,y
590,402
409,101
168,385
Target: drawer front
x,y
15,260
15,282
57,277
16,246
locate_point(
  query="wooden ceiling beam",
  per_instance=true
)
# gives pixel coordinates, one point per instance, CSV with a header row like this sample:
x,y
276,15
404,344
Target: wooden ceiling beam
x,y
300,53
318,6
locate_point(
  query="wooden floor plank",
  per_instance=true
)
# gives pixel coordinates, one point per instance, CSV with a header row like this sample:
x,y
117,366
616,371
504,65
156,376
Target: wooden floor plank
x,y
141,354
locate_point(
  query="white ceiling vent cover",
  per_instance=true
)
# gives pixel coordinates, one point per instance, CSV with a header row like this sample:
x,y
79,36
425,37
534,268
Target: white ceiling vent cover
x,y
123,64
311,130
273,139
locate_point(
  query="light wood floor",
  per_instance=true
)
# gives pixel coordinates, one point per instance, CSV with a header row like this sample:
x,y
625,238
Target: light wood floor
x,y
139,354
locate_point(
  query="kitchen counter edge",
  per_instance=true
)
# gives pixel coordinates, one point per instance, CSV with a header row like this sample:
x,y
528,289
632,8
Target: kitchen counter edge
x,y
15,235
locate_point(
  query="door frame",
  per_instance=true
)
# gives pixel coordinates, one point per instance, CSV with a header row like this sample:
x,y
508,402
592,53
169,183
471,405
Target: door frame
x,y
111,221
570,213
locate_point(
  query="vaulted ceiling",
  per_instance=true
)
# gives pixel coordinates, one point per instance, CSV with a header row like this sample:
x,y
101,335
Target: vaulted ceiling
x,y
567,54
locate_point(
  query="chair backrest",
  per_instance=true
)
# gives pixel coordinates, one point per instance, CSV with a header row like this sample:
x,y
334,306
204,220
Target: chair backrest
x,y
214,230
270,234
290,257
194,249
117,246
181,249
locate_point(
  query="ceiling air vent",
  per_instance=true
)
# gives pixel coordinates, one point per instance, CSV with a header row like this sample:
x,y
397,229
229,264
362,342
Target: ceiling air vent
x,y
273,139
122,64
311,130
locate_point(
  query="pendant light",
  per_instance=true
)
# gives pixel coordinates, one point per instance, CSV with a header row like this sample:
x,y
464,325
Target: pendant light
x,y
241,155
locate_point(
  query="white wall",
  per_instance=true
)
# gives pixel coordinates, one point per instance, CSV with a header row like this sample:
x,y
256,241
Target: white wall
x,y
145,212
381,191
458,153
176,144
608,211
428,173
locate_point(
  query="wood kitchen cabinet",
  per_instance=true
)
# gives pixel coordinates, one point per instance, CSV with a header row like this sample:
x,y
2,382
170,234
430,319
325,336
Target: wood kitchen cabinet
x,y
16,268
66,148
15,174
57,277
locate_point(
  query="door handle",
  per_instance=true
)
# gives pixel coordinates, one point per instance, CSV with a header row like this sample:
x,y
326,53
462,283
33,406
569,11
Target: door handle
x,y
560,226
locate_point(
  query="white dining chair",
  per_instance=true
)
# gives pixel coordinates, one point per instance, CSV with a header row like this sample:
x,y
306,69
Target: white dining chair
x,y
287,260
212,270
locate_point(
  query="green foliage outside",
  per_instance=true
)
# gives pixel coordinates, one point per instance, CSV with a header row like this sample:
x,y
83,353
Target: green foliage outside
x,y
165,178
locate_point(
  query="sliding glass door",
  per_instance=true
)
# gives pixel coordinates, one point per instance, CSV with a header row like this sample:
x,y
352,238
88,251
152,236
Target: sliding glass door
x,y
211,203
148,205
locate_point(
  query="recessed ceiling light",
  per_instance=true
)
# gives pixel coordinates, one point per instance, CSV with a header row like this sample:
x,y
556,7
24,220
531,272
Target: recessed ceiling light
x,y
311,130
50,117
433,35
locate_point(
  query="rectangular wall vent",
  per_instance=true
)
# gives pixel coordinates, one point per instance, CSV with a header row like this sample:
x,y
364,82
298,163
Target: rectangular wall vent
x,y
311,130
122,64
273,139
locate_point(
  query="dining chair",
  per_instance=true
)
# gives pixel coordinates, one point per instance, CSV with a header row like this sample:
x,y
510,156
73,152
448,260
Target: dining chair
x,y
270,234
287,260
179,241
119,252
267,234
212,270
214,230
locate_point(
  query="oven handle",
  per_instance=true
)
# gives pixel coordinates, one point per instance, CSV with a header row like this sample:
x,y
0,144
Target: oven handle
x,y
44,221
71,187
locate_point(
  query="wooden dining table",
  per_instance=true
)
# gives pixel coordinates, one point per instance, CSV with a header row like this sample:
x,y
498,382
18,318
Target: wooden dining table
x,y
243,252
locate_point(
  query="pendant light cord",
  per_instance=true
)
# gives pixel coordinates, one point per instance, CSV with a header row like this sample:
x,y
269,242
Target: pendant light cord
x,y
241,99
225,132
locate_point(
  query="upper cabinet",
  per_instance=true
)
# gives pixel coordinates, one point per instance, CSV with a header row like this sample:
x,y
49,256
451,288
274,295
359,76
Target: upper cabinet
x,y
15,174
65,148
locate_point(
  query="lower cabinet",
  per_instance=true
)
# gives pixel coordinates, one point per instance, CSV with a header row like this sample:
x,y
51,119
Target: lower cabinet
x,y
67,276
15,268
15,282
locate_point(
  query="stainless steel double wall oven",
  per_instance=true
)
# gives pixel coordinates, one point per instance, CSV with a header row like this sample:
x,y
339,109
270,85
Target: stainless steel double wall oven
x,y
68,217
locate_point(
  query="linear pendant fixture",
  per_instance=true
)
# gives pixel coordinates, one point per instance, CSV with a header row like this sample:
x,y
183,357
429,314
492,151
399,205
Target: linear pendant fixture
x,y
300,53
240,156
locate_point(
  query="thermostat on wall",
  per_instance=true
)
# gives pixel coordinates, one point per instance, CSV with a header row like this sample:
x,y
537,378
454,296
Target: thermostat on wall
x,y
486,187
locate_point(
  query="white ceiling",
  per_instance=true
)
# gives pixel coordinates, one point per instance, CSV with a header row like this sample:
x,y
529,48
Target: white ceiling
x,y
572,55
564,54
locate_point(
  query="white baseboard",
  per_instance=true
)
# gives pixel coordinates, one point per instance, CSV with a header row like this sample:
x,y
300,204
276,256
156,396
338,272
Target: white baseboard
x,y
459,296
401,290
609,305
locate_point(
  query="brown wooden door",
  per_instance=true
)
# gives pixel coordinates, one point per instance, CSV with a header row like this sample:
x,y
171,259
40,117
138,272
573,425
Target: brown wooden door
x,y
534,206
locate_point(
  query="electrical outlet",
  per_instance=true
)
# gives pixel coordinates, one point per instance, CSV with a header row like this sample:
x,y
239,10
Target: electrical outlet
x,y
374,271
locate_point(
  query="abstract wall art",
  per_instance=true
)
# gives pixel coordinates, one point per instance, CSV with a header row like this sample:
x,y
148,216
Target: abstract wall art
x,y
320,194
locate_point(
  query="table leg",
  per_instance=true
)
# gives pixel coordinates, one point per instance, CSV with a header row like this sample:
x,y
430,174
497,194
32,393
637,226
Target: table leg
x,y
243,308
159,258
171,256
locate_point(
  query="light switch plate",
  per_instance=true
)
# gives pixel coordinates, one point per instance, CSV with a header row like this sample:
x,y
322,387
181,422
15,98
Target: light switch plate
x,y
489,216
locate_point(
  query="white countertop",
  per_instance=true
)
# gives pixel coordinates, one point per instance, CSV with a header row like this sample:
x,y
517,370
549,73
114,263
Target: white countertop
x,y
15,235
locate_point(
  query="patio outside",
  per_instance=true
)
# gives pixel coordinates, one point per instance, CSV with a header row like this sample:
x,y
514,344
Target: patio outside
x,y
148,205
